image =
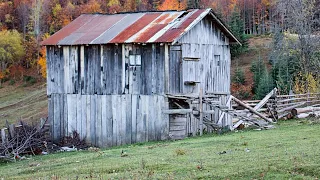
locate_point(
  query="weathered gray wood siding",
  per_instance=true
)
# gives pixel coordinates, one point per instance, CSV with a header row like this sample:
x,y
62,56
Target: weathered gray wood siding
x,y
148,77
105,69
109,120
210,51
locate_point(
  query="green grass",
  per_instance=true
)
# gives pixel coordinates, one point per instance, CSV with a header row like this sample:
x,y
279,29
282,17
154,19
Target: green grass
x,y
26,103
291,151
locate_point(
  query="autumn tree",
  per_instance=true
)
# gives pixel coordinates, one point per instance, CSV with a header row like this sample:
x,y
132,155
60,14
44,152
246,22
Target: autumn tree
x,y
172,5
11,48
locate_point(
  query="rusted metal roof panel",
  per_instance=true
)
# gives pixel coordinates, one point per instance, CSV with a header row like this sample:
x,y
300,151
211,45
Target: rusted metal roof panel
x,y
67,30
117,28
178,30
142,27
97,28
159,24
135,27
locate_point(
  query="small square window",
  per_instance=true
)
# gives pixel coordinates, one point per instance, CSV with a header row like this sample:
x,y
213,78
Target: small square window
x,y
138,60
217,60
135,60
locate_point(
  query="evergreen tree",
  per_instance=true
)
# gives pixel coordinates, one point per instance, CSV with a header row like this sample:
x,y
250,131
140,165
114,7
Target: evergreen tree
x,y
265,85
257,68
236,26
239,77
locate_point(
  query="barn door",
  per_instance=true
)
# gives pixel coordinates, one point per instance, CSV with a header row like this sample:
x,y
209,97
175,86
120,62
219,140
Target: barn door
x,y
175,70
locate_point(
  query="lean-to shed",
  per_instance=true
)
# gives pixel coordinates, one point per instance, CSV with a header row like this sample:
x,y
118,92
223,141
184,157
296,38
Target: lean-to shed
x,y
113,78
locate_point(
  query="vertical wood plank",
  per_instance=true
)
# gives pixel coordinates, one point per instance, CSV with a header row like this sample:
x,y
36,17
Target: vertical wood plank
x,y
109,120
98,121
79,114
93,119
164,119
88,119
140,119
166,68
64,115
56,121
104,121
115,107
82,73
128,124
134,102
51,114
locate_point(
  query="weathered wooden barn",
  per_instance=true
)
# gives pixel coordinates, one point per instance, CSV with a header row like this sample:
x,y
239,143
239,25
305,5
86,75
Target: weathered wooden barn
x,y
134,77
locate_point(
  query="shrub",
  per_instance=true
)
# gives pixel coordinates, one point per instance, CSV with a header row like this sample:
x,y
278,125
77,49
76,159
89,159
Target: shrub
x,y
29,80
12,82
239,77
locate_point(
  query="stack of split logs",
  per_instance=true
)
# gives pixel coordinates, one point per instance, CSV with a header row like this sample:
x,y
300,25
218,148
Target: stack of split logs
x,y
297,105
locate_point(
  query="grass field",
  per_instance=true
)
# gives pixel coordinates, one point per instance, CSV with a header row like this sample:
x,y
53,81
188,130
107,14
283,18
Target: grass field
x,y
291,151
26,103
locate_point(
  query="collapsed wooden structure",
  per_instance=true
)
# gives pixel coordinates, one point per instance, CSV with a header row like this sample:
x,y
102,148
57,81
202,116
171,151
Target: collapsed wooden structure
x,y
120,79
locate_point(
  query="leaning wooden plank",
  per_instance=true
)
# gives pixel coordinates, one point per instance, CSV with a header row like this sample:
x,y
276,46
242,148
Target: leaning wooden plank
x,y
264,100
223,113
235,126
251,109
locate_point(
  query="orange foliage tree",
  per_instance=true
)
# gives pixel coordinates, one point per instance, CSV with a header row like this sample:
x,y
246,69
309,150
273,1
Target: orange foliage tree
x,y
42,58
173,5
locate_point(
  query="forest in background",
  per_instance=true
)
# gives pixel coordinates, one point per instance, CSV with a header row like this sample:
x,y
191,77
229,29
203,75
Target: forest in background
x,y
293,64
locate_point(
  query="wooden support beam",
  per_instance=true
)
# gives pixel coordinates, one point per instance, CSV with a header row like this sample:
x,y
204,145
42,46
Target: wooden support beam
x,y
177,111
3,136
166,68
201,112
251,109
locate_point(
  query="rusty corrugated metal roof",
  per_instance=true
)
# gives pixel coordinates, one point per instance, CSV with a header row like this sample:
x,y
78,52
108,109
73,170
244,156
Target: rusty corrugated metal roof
x,y
141,27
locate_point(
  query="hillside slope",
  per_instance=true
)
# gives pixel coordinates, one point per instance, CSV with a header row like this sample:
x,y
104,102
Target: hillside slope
x,y
26,103
258,47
